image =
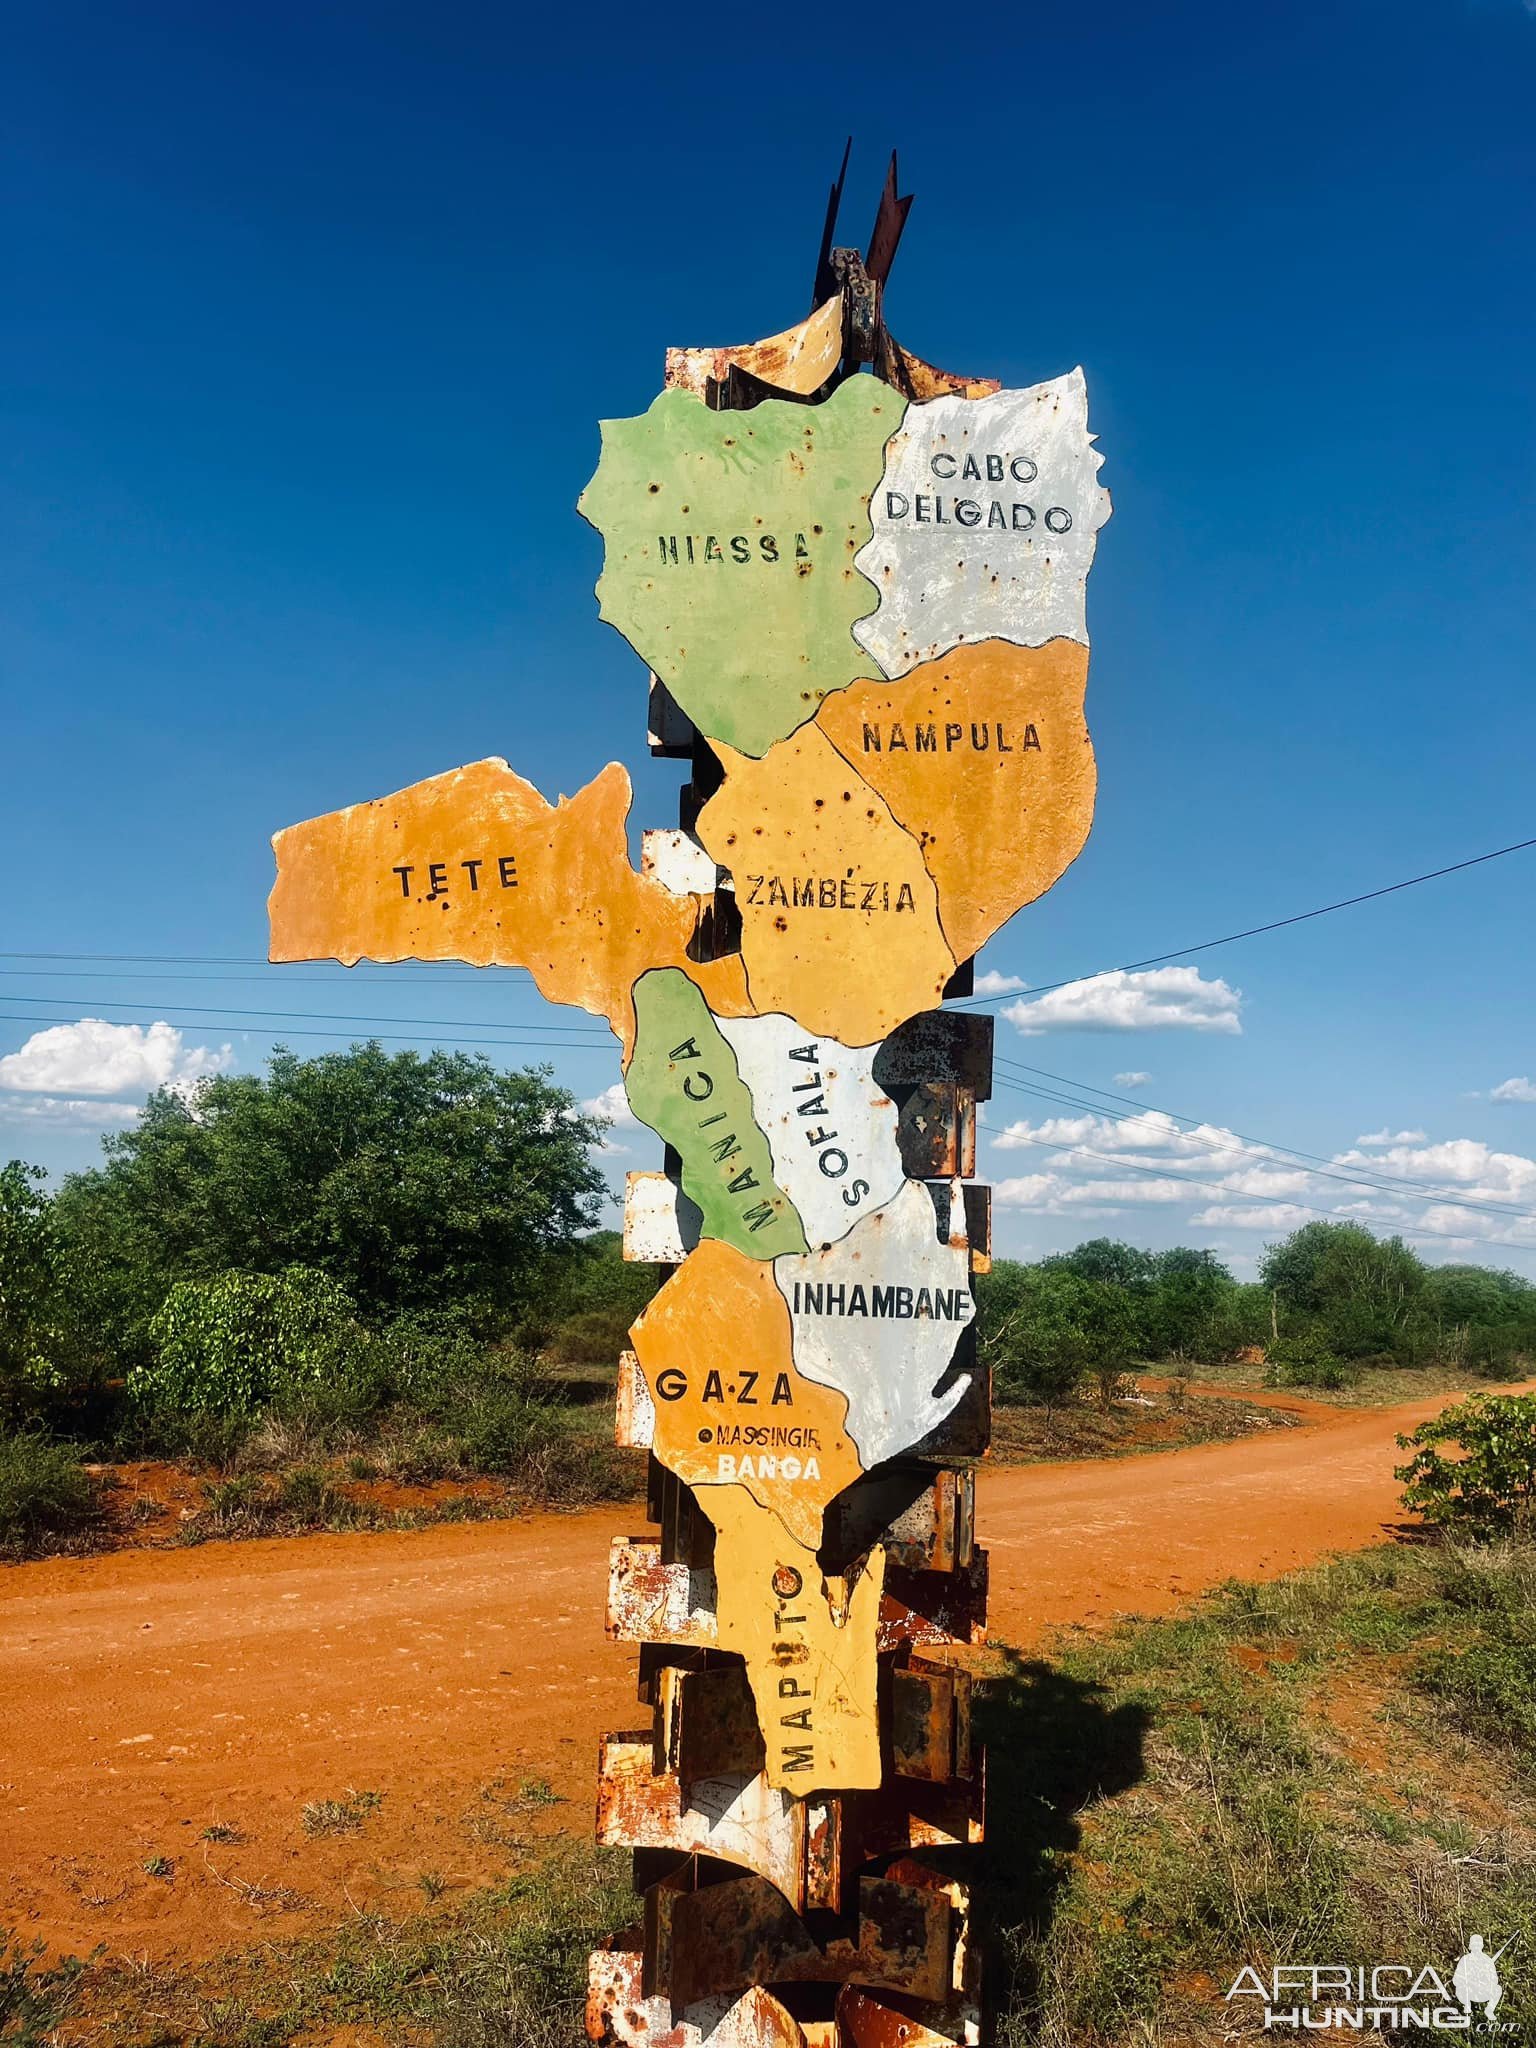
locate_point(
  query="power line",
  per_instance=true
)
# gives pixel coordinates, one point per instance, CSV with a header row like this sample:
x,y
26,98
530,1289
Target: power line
x,y
1255,930
1249,1201
239,960
222,1020
383,1037
1279,1154
1043,988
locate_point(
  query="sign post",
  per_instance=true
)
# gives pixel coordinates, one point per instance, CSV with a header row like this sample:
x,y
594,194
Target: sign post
x,y
858,581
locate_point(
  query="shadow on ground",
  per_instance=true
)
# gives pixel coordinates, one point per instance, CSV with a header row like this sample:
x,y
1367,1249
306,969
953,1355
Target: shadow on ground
x,y
1054,1748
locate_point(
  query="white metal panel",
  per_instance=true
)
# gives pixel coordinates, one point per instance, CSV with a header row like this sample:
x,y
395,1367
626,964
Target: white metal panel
x,y
676,860
830,1126
658,1230
859,1322
985,523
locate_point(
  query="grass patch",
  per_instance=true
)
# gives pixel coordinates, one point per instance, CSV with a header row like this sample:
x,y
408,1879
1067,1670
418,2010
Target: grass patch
x,y
505,1968
1161,1420
44,1492
1330,1768
341,1816
1374,1385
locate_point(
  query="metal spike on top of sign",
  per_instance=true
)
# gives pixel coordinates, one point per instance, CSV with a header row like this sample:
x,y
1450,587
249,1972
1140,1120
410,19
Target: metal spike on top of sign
x,y
858,582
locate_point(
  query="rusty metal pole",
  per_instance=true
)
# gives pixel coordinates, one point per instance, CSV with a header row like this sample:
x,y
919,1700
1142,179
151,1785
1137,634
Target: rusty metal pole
x,y
859,582
811,1918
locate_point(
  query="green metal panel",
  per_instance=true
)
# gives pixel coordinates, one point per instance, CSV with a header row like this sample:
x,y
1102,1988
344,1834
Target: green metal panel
x,y
683,1082
730,539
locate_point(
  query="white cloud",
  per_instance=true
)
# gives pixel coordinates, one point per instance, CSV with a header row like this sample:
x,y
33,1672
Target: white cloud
x,y
1386,1137
1268,1180
613,1106
1517,1089
991,983
1214,1149
65,1112
1209,1178
1135,1079
1466,1164
1157,999
97,1058
1121,1192
1278,1216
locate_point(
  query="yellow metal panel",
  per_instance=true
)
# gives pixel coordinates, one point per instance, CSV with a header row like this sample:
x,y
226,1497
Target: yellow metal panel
x,y
839,918
733,1411
809,1644
801,359
475,865
984,757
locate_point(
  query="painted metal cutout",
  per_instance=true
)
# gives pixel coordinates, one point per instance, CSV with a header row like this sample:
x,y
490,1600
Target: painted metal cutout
x,y
864,605
682,1081
732,1408
475,865
801,359
877,1316
831,1127
983,756
985,523
809,1644
839,917
713,519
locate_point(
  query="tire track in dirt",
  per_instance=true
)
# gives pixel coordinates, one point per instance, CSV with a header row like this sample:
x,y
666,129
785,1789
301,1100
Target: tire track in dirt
x,y
148,1695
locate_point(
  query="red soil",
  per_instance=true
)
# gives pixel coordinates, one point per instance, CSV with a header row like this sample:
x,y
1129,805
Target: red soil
x,y
148,1695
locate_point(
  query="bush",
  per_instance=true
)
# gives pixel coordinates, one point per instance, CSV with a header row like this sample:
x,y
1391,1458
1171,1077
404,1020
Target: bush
x,y
40,1359
1305,1359
1045,1328
234,1344
1491,1487
414,1182
596,1337
1500,1351
43,1490
1492,1686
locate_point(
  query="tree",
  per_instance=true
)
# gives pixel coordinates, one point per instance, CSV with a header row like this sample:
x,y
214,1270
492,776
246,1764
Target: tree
x,y
37,1358
418,1183
1364,1288
1044,1328
595,1299
1191,1309
1490,1485
1108,1260
231,1345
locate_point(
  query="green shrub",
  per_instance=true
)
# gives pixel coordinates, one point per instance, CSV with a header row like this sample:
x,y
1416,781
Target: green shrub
x,y
495,1424
1306,1359
43,1363
43,1490
595,1337
1491,1686
234,1344
1491,1486
1500,1351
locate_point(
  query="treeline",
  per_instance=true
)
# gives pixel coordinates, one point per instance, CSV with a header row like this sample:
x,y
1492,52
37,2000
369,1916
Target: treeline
x,y
365,1241
354,1243
1330,1301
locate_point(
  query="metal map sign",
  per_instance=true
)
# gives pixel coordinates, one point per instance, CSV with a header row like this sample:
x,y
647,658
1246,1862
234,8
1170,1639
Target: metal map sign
x,y
865,596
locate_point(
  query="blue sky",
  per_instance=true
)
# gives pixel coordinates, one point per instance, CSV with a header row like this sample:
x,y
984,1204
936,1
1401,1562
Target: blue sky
x,y
311,317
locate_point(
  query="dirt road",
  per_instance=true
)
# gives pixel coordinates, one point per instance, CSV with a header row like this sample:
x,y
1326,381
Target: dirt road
x,y
149,1696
